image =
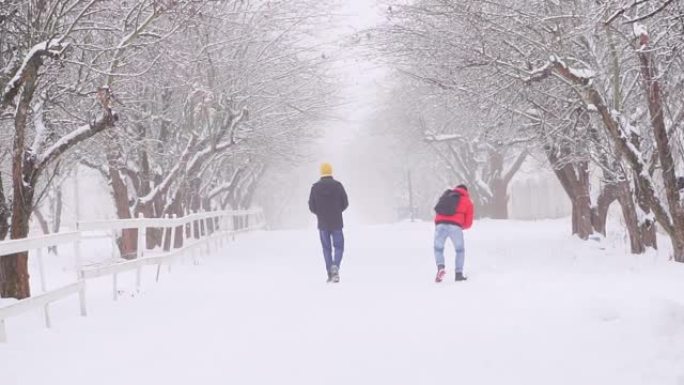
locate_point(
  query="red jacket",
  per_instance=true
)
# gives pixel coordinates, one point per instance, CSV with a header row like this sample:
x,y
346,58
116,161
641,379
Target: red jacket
x,y
464,212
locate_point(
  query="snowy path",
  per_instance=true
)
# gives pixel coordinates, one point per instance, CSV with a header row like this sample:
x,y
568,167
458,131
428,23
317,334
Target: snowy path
x,y
540,308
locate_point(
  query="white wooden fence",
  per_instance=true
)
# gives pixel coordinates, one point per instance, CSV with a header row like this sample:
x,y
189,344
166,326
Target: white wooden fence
x,y
199,232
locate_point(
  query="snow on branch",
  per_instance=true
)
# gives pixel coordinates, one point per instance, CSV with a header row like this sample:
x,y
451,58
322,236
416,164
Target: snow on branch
x,y
636,3
39,124
651,14
617,128
541,73
229,185
624,9
11,66
166,183
575,75
641,32
52,48
483,186
214,145
516,166
139,30
443,137
105,120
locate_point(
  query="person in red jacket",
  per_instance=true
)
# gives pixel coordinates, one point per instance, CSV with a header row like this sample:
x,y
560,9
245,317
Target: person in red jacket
x,y
454,214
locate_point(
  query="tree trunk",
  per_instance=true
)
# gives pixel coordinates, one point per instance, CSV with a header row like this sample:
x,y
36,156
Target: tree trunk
x,y
577,188
626,200
663,144
678,247
128,242
153,235
157,211
206,205
581,217
14,274
176,207
195,206
599,213
672,222
647,226
621,192
56,216
638,238
499,204
4,212
44,226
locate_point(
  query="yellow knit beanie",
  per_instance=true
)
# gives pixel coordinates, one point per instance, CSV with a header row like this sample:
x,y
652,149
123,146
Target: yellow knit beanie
x,y
326,169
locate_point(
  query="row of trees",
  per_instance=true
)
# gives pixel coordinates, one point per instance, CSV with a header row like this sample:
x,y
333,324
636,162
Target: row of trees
x,y
180,105
594,86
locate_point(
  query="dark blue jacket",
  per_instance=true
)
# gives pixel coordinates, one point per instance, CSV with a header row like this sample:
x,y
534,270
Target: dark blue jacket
x,y
328,200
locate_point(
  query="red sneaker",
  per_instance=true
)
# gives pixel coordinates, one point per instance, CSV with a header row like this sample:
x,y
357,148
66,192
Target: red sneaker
x,y
440,275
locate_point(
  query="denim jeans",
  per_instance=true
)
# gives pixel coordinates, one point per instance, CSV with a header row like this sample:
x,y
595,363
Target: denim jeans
x,y
329,240
455,233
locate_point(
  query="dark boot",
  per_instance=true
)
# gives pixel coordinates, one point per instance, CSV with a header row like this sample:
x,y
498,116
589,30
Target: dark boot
x,y
460,277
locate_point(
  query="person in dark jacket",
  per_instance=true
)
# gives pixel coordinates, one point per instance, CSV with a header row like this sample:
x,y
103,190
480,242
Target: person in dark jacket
x,y
451,226
328,200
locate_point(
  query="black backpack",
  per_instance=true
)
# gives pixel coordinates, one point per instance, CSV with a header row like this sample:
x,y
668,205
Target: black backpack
x,y
448,203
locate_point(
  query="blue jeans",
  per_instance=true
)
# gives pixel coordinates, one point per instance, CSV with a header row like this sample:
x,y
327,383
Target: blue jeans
x,y
455,233
329,240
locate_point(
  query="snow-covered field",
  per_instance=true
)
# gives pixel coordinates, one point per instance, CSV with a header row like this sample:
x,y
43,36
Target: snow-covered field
x,y
540,308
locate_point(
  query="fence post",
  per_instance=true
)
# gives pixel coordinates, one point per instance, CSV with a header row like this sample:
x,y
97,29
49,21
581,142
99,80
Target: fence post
x,y
41,269
165,237
3,332
115,246
142,243
43,286
173,240
79,275
183,237
212,239
233,226
224,233
114,285
167,234
217,232
207,236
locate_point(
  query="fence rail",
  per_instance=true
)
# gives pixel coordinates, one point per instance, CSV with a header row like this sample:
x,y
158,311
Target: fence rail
x,y
199,232
21,245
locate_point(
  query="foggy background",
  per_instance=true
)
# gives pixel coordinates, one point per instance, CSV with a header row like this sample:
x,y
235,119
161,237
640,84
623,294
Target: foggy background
x,y
357,138
365,152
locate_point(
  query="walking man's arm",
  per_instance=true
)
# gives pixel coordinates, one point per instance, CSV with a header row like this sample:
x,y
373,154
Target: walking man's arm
x,y
312,201
345,200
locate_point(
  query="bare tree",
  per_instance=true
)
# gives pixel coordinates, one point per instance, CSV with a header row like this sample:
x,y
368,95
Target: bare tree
x,y
577,66
36,36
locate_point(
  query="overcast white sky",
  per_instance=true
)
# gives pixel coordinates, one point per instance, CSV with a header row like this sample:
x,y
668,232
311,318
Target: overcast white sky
x,y
344,139
359,77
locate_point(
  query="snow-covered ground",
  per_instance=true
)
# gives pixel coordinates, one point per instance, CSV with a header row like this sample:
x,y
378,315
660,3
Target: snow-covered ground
x,y
539,308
